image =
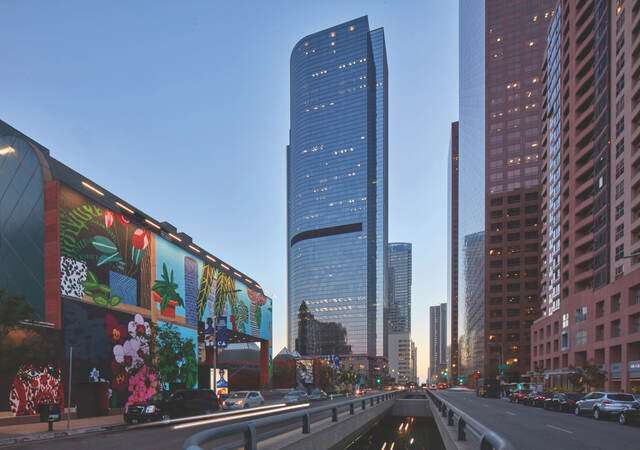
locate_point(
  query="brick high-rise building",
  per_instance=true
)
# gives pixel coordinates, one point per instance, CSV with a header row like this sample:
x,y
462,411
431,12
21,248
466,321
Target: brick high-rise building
x,y
590,288
514,48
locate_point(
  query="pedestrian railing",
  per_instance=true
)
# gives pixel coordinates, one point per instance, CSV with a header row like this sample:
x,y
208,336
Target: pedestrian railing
x,y
248,429
465,424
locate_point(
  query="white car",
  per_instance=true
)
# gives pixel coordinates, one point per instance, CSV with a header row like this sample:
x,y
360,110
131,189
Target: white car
x,y
243,399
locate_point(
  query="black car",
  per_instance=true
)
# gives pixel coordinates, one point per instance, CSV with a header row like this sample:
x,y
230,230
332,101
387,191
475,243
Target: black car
x,y
563,402
629,415
165,406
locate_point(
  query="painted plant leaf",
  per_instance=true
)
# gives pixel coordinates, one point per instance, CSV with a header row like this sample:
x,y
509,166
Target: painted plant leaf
x,y
258,315
101,300
115,300
208,273
104,245
113,258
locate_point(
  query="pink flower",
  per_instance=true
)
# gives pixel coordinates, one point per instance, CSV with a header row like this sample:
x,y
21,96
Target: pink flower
x,y
140,239
142,385
122,219
108,218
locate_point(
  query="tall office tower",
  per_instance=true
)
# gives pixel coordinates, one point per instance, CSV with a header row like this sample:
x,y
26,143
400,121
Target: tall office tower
x,y
590,206
434,340
515,42
470,178
400,357
452,247
399,273
443,335
337,189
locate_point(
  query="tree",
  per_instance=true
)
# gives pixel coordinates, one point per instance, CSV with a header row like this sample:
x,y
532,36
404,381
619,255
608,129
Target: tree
x,y
588,376
21,343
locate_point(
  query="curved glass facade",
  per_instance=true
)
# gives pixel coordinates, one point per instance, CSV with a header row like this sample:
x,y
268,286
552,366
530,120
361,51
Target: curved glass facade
x,y
21,221
336,191
471,184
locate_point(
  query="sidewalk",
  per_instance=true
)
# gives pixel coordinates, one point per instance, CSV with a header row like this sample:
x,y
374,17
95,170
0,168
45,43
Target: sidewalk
x,y
13,434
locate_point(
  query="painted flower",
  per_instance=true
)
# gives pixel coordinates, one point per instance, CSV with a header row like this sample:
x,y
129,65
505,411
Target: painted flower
x,y
114,330
140,239
142,385
128,355
138,327
234,327
122,219
108,218
120,379
256,297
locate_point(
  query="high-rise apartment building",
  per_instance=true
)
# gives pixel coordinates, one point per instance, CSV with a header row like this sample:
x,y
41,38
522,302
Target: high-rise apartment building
x,y
399,283
437,338
590,287
515,41
337,191
452,249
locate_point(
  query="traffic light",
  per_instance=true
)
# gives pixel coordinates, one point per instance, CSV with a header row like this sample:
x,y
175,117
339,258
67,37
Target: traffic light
x,y
378,380
445,373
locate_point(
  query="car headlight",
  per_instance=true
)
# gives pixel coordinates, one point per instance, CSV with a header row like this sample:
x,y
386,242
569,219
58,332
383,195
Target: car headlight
x,y
150,409
239,402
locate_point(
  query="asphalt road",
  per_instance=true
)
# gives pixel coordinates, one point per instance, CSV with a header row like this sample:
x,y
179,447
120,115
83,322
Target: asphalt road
x,y
156,437
529,428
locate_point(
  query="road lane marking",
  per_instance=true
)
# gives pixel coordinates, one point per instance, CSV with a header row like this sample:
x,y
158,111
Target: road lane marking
x,y
560,429
508,412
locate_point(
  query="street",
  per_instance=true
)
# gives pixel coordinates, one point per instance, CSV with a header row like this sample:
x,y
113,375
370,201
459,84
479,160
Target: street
x,y
157,437
529,428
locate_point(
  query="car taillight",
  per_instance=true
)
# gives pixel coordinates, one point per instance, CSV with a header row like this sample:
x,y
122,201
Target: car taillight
x,y
606,402
240,402
571,402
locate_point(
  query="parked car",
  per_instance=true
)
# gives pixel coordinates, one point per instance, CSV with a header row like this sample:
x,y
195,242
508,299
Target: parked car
x,y
603,404
562,401
519,395
528,399
164,406
318,394
295,396
629,415
243,399
539,398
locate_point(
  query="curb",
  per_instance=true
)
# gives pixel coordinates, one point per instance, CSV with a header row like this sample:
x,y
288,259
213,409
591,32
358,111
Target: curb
x,y
58,434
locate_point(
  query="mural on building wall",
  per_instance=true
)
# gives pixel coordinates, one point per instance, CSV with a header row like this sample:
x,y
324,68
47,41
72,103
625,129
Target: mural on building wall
x,y
177,357
101,253
110,346
34,386
187,287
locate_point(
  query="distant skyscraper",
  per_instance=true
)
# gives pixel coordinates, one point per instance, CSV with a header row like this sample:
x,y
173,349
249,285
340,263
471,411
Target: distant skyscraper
x,y
399,272
452,246
337,189
437,338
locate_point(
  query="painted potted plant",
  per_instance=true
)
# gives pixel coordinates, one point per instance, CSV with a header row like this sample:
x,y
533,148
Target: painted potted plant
x,y
164,292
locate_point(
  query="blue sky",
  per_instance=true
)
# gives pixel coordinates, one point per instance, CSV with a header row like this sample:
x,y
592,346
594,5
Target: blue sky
x,y
182,109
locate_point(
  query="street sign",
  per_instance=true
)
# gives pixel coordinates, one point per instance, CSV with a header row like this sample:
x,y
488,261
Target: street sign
x,y
503,376
221,332
504,366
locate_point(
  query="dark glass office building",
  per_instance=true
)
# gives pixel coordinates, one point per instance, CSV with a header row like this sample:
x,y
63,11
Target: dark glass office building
x,y
337,191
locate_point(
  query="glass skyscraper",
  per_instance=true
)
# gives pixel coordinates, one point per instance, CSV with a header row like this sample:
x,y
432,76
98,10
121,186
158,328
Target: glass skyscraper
x,y
399,311
471,179
337,192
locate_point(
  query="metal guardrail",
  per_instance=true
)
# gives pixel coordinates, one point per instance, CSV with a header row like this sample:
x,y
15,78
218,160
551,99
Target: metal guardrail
x,y
487,439
251,437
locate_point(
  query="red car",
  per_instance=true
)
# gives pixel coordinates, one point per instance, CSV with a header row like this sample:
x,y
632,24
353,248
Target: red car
x,y
519,395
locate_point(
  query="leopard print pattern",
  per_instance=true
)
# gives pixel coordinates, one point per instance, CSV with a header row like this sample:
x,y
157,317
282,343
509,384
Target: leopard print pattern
x,y
35,386
72,274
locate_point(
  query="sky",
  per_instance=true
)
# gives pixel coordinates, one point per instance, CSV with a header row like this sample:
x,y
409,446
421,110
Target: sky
x,y
182,109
